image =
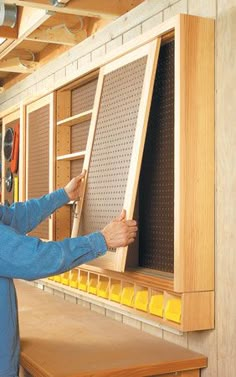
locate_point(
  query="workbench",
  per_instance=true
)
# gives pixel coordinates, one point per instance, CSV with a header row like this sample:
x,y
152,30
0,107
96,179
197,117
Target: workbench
x,y
62,339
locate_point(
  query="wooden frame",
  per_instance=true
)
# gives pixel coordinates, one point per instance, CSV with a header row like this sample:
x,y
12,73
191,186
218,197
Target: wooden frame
x,y
193,277
39,104
116,260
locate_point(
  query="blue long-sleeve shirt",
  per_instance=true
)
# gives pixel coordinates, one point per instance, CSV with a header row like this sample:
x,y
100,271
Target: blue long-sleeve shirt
x,y
30,258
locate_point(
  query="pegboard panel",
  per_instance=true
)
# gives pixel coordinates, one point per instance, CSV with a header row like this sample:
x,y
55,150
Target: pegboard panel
x,y
79,135
82,98
113,144
156,187
38,161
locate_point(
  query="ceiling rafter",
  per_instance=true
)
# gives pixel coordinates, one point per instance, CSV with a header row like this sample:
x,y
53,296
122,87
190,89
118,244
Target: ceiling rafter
x,y
107,9
29,20
59,34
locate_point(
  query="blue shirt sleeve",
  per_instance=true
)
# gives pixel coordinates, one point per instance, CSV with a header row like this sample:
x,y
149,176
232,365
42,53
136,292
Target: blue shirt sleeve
x,y
25,216
30,258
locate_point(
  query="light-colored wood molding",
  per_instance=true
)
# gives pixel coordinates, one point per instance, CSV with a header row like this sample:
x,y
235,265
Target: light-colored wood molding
x,y
107,9
194,155
22,150
75,119
57,35
71,156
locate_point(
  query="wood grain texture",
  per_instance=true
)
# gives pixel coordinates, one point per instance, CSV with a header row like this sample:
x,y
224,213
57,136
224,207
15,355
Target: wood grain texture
x,y
194,151
88,344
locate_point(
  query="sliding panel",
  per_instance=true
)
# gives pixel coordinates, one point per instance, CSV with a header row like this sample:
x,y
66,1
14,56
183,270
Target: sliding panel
x,y
39,157
125,89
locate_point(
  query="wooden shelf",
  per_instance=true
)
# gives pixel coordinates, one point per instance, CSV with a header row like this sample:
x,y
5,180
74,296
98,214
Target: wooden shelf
x,y
76,119
71,156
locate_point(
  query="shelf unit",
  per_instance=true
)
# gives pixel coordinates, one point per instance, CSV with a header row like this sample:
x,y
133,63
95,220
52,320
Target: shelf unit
x,y
149,301
74,112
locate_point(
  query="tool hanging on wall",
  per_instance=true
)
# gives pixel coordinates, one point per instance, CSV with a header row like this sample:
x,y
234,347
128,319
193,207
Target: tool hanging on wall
x,y
8,143
16,189
15,149
8,180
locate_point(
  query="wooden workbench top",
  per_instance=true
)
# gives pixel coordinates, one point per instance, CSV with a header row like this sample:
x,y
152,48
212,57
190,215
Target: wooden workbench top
x,y
61,339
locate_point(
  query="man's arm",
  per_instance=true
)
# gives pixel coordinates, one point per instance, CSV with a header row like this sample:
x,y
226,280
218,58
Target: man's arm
x,y
25,216
30,258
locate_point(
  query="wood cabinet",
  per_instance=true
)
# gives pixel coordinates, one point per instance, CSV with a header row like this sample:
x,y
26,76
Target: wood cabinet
x,y
149,149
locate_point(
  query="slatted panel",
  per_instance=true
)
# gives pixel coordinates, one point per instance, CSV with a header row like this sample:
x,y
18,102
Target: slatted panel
x,y
82,98
113,143
156,188
9,196
38,161
79,135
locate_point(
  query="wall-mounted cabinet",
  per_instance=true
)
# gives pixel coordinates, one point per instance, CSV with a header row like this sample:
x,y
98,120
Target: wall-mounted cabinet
x,y
146,140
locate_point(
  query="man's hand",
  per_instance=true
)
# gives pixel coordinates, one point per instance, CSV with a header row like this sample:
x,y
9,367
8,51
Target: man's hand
x,y
120,232
74,187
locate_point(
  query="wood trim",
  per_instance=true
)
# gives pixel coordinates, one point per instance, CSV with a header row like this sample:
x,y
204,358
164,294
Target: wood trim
x,y
22,153
194,152
71,156
78,118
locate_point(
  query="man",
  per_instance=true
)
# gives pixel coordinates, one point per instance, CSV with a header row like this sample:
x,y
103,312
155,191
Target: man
x,y
30,258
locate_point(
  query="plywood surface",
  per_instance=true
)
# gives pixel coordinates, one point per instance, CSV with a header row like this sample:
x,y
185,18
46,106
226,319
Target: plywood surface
x,y
61,339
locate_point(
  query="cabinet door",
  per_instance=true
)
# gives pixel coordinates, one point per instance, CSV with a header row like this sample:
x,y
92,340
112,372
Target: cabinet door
x,y
115,143
39,156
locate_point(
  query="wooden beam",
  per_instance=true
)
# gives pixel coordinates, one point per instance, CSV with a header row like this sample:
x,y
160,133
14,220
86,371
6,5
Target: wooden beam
x,y
57,34
28,20
17,65
108,9
8,32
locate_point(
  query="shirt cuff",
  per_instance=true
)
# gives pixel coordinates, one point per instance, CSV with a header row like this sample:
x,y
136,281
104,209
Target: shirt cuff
x,y
61,196
98,243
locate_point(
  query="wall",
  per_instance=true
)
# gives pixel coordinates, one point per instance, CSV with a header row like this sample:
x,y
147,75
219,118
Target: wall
x,y
219,344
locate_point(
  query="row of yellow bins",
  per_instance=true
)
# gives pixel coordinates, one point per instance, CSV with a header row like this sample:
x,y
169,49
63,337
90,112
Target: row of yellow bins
x,y
160,304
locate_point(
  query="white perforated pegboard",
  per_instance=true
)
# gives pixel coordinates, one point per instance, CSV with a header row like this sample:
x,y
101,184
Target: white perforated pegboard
x,y
113,144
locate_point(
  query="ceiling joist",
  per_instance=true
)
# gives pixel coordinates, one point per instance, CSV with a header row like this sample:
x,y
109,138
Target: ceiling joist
x,y
17,65
8,32
29,20
106,9
59,34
